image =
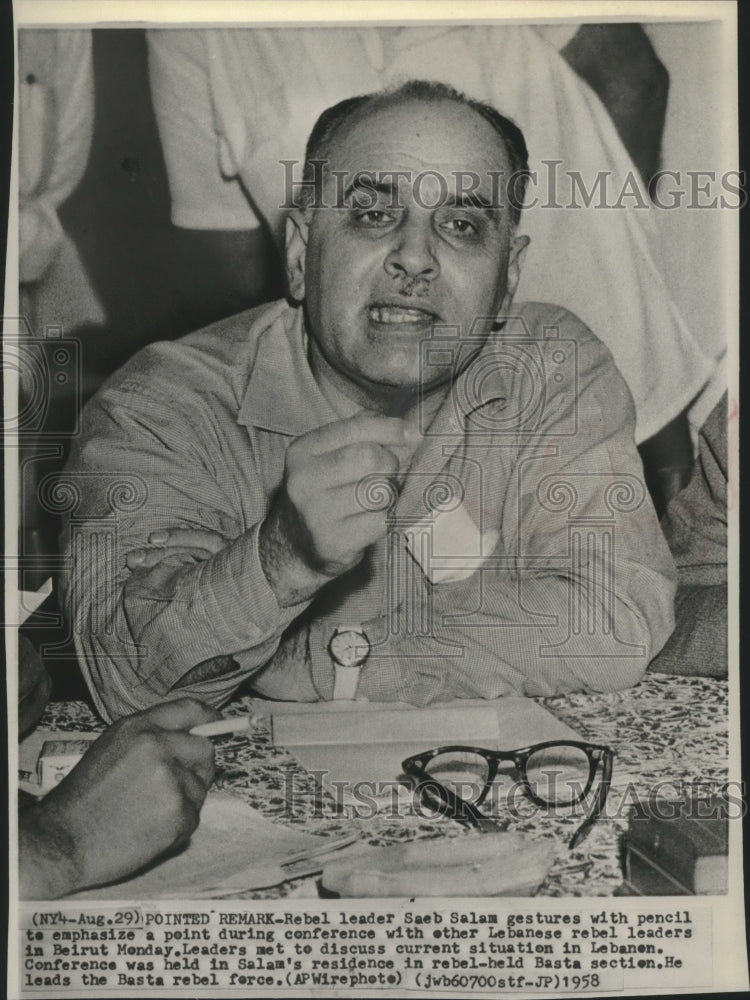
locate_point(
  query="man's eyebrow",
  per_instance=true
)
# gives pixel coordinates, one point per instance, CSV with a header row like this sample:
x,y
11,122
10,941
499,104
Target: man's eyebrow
x,y
367,183
470,199
370,184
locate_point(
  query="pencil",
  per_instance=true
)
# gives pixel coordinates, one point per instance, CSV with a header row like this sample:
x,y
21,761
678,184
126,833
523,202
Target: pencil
x,y
223,727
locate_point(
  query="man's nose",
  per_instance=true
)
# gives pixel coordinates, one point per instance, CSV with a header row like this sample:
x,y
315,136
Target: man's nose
x,y
412,255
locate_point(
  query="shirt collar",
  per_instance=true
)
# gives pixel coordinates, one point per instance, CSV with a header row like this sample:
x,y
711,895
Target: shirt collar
x,y
282,394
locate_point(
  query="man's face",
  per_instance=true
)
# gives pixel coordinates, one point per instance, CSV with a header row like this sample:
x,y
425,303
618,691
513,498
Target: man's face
x,y
399,258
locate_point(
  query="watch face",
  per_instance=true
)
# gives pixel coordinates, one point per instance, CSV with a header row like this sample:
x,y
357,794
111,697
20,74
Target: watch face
x,y
349,648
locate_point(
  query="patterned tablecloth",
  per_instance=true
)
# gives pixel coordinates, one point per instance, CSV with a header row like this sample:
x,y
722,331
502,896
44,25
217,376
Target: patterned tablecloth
x,y
669,734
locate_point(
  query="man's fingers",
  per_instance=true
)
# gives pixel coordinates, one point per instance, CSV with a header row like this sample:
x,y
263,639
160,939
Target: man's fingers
x,y
355,430
196,753
351,463
193,544
365,528
182,713
146,558
193,792
188,538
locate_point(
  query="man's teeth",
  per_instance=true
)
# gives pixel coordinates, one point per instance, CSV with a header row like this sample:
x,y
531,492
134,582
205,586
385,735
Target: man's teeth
x,y
393,314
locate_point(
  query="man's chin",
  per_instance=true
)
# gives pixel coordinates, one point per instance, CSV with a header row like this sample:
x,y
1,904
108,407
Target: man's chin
x,y
397,393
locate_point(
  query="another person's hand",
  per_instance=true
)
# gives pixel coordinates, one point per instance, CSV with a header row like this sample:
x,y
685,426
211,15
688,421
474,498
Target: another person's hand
x,y
318,528
135,794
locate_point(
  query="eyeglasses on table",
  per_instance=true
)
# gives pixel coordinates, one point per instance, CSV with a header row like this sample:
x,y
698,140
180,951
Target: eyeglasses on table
x,y
556,774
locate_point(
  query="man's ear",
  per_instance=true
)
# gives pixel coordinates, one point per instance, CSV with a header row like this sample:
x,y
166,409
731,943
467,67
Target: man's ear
x,y
297,229
516,254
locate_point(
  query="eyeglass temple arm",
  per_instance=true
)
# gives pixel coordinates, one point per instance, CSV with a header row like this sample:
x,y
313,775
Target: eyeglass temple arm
x,y
462,810
594,814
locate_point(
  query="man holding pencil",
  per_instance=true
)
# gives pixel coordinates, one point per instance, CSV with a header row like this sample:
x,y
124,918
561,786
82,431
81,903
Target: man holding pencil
x,y
136,793
370,492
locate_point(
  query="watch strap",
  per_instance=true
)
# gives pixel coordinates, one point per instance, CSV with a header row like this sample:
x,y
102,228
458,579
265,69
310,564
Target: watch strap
x,y
345,681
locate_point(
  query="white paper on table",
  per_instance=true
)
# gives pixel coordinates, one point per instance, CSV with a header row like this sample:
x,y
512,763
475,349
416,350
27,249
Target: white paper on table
x,y
234,848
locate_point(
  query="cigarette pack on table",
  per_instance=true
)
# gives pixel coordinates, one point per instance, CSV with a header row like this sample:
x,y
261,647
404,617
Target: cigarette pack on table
x,y
57,758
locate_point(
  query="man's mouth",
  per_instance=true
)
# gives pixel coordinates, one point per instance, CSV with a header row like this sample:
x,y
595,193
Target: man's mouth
x,y
399,315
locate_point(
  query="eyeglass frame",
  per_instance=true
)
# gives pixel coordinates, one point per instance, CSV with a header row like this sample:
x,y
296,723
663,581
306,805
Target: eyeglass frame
x,y
464,811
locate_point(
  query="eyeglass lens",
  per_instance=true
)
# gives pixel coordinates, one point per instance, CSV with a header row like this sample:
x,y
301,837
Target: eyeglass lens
x,y
464,773
558,774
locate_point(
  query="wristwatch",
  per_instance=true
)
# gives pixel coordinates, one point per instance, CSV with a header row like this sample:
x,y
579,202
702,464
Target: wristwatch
x,y
349,648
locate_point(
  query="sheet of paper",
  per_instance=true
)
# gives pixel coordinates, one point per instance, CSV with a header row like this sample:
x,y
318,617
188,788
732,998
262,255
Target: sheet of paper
x,y
234,848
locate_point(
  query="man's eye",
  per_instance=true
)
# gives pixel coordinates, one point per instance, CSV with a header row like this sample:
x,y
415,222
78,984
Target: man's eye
x,y
460,227
373,218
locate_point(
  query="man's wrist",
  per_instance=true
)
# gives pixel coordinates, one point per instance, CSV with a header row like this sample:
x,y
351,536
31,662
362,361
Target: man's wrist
x,y
287,675
47,867
288,576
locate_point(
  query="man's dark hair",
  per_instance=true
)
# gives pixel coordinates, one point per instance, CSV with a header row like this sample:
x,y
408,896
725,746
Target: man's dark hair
x,y
334,120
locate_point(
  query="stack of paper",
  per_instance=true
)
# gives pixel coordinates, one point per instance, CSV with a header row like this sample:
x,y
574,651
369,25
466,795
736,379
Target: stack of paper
x,y
360,745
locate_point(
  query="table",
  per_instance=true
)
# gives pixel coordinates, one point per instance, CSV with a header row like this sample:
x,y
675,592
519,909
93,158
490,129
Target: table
x,y
669,733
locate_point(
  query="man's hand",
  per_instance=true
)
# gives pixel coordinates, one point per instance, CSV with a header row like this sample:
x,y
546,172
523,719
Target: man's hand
x,y
317,528
176,545
136,793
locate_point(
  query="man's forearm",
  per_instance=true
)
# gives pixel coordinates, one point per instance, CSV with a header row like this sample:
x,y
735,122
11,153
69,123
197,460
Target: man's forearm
x,y
502,650
177,625
288,577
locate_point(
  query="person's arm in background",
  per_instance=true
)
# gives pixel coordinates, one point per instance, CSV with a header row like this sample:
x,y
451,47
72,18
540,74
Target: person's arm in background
x,y
213,212
136,793
696,528
698,645
620,65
